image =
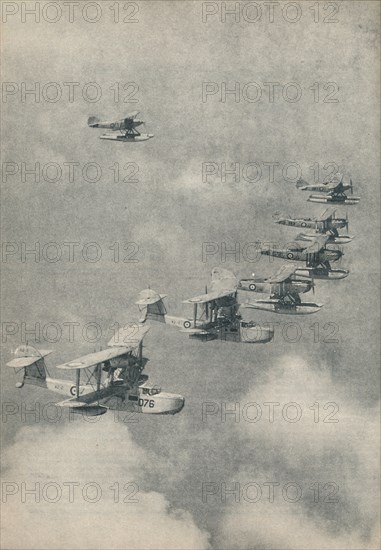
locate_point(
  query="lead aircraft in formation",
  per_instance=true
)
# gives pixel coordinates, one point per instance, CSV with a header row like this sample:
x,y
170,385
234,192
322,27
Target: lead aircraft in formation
x,y
113,377
126,128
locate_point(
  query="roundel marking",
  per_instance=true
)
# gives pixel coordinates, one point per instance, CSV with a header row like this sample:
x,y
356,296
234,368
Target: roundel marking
x,y
252,286
187,324
290,255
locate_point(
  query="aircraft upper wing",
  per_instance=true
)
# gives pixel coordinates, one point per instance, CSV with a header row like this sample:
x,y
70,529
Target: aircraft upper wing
x,y
224,283
209,297
326,215
132,115
334,179
283,274
315,244
93,359
223,280
130,335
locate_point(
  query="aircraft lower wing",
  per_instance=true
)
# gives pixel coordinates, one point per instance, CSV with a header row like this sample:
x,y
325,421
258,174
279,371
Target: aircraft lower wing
x,y
88,409
191,331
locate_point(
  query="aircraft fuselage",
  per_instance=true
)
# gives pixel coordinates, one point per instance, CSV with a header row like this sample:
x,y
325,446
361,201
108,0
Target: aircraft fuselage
x,y
263,286
121,125
309,223
325,255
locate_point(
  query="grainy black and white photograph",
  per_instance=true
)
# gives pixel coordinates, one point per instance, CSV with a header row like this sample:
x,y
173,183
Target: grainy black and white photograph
x,y
190,282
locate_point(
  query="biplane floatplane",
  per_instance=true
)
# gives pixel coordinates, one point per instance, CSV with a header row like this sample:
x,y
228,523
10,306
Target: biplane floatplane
x,y
126,128
333,189
316,255
326,224
215,313
113,378
284,289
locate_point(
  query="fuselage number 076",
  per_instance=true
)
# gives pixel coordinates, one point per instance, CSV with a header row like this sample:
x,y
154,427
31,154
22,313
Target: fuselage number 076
x,y
145,402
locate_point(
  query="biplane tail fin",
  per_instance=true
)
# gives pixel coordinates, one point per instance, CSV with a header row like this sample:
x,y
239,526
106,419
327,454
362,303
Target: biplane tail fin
x,y
152,306
32,362
93,121
301,183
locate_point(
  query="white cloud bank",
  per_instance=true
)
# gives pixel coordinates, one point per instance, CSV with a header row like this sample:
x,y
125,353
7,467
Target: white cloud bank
x,y
103,453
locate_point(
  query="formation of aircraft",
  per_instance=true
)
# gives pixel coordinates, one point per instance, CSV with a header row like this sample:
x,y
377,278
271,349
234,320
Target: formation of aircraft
x,y
284,289
113,378
333,189
215,313
316,250
126,128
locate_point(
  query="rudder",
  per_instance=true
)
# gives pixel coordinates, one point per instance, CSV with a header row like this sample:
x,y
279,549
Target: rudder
x,y
152,306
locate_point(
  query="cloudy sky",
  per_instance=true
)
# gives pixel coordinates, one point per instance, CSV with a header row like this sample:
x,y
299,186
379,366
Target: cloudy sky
x,y
153,194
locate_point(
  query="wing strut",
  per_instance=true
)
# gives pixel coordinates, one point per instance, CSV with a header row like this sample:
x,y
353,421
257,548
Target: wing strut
x,y
140,352
99,376
194,315
77,380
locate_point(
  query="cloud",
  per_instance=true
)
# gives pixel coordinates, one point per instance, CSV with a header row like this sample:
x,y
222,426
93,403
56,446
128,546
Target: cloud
x,y
305,453
103,455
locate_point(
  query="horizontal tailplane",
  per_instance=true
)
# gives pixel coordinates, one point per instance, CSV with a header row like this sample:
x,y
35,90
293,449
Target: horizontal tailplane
x,y
93,121
32,361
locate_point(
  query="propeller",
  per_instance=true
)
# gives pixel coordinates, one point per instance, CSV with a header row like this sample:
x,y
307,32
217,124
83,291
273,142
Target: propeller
x,y
346,221
206,305
339,261
351,186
